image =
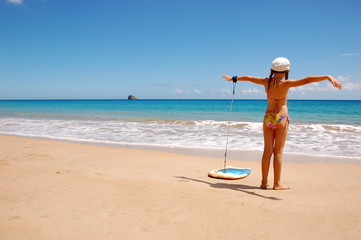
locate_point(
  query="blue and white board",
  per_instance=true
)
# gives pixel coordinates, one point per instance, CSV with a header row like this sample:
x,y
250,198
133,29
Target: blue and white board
x,y
230,173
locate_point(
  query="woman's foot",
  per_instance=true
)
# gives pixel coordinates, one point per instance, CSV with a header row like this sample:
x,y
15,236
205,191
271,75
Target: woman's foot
x,y
280,187
264,185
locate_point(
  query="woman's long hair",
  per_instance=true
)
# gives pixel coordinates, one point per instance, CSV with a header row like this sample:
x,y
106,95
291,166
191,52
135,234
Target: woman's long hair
x,y
271,76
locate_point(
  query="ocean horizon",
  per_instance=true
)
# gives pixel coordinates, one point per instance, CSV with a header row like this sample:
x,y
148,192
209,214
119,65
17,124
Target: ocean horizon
x,y
318,127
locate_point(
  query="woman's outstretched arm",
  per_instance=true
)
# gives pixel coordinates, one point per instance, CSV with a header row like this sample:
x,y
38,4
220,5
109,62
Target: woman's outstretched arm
x,y
256,80
307,80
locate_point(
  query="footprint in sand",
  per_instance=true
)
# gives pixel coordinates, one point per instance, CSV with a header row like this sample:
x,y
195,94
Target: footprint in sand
x,y
36,155
183,180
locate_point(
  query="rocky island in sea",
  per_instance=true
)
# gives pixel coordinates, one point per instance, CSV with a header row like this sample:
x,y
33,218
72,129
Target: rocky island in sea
x,y
131,97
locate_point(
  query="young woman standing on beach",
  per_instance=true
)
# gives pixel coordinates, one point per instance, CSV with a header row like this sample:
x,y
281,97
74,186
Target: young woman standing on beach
x,y
276,119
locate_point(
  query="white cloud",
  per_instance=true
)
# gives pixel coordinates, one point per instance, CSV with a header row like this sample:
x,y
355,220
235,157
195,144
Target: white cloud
x,y
188,92
349,54
15,1
348,84
352,86
343,78
251,91
179,91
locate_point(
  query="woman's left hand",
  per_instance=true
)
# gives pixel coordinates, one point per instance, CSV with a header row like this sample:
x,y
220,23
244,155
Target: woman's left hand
x,y
334,82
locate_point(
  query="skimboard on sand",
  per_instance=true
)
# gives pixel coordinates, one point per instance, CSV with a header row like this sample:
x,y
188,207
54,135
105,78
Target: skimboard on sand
x,y
230,173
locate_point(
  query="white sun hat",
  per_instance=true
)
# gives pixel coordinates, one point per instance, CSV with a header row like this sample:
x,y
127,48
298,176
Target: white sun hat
x,y
281,64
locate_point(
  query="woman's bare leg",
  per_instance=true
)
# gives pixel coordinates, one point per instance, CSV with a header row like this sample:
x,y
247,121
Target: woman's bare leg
x,y
268,135
280,140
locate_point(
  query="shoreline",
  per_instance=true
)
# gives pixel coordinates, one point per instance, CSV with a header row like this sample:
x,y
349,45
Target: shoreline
x,y
161,99
63,190
249,155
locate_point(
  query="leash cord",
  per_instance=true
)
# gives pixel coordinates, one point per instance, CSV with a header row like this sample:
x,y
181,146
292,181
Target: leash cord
x,y
229,121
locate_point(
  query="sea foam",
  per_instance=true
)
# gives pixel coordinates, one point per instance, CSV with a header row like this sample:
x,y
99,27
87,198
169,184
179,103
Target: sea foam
x,y
313,139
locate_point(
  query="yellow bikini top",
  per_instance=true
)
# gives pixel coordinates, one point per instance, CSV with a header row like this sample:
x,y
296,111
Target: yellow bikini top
x,y
277,102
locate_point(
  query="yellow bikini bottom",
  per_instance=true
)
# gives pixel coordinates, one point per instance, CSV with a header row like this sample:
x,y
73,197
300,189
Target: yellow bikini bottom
x,y
272,120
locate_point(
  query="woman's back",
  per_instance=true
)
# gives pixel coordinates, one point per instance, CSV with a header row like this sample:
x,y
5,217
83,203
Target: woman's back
x,y
277,94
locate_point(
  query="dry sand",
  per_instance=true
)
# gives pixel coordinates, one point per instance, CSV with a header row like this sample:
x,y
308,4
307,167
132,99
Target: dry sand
x,y
60,190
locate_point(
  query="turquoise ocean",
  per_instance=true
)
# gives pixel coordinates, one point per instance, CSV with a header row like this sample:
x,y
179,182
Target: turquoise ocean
x,y
318,127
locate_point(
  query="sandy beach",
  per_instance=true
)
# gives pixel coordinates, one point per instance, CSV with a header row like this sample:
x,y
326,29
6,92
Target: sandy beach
x,y
62,190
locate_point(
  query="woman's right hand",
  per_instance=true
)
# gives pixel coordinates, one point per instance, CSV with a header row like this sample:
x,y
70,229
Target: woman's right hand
x,y
227,78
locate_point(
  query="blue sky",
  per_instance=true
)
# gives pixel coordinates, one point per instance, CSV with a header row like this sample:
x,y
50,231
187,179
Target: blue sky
x,y
62,49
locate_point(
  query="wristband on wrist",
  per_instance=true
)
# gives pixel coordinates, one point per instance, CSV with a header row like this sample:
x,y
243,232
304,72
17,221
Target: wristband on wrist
x,y
234,78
